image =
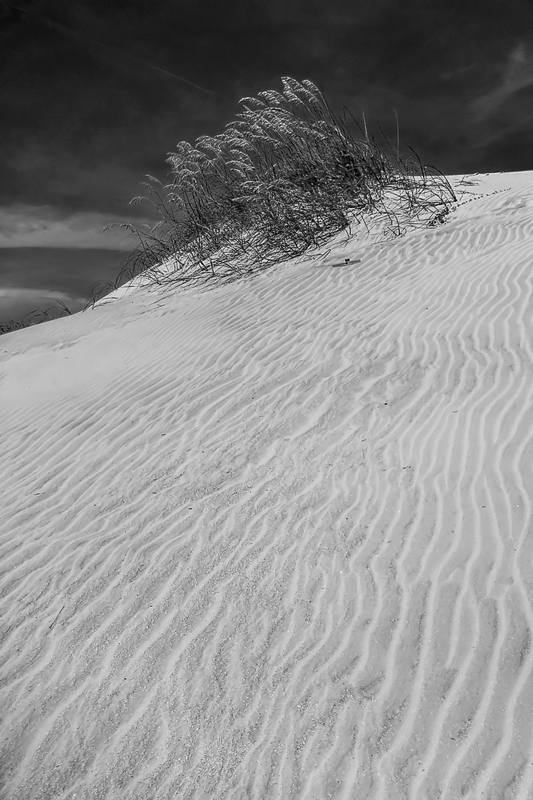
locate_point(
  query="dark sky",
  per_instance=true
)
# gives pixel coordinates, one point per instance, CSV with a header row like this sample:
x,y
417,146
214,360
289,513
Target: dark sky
x,y
94,94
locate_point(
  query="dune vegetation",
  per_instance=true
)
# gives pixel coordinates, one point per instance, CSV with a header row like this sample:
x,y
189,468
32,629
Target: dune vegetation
x,y
285,176
35,317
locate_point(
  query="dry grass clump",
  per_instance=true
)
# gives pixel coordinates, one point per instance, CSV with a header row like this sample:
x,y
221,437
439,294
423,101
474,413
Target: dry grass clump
x,y
285,176
35,318
12,325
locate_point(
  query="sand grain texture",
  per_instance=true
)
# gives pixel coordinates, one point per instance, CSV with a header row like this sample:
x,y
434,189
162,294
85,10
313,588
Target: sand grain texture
x,y
274,540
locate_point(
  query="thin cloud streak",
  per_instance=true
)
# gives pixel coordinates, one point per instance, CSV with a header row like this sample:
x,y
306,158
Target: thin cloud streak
x,y
518,75
27,295
41,226
80,36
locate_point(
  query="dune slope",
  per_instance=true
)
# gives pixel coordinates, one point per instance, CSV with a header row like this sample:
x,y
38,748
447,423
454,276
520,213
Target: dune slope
x,y
274,540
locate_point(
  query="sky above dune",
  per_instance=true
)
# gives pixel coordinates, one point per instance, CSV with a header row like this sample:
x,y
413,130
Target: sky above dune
x,y
95,94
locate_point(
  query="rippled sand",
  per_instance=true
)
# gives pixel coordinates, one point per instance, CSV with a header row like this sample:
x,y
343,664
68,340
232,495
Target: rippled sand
x,y
275,540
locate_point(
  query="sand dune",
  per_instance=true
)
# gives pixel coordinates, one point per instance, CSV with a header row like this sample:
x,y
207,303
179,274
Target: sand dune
x,y
274,540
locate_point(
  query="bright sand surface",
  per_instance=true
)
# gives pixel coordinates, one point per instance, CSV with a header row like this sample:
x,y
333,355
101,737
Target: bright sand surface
x,y
274,539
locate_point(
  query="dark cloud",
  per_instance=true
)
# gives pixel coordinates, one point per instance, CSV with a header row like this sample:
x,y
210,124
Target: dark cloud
x,y
97,92
70,269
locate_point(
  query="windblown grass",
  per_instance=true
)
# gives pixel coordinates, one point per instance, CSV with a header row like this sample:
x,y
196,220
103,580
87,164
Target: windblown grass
x,y
285,176
35,318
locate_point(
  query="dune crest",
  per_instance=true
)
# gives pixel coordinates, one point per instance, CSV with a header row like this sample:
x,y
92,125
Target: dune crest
x,y
273,540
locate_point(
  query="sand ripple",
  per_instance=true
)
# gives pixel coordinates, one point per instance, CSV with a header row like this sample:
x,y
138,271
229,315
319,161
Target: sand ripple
x,y
274,540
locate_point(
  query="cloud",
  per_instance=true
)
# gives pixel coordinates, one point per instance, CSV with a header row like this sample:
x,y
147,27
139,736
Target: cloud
x,y
518,75
16,294
44,226
118,53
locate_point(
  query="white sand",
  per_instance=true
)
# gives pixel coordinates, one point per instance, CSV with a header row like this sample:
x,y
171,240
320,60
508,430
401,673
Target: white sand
x,y
274,540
